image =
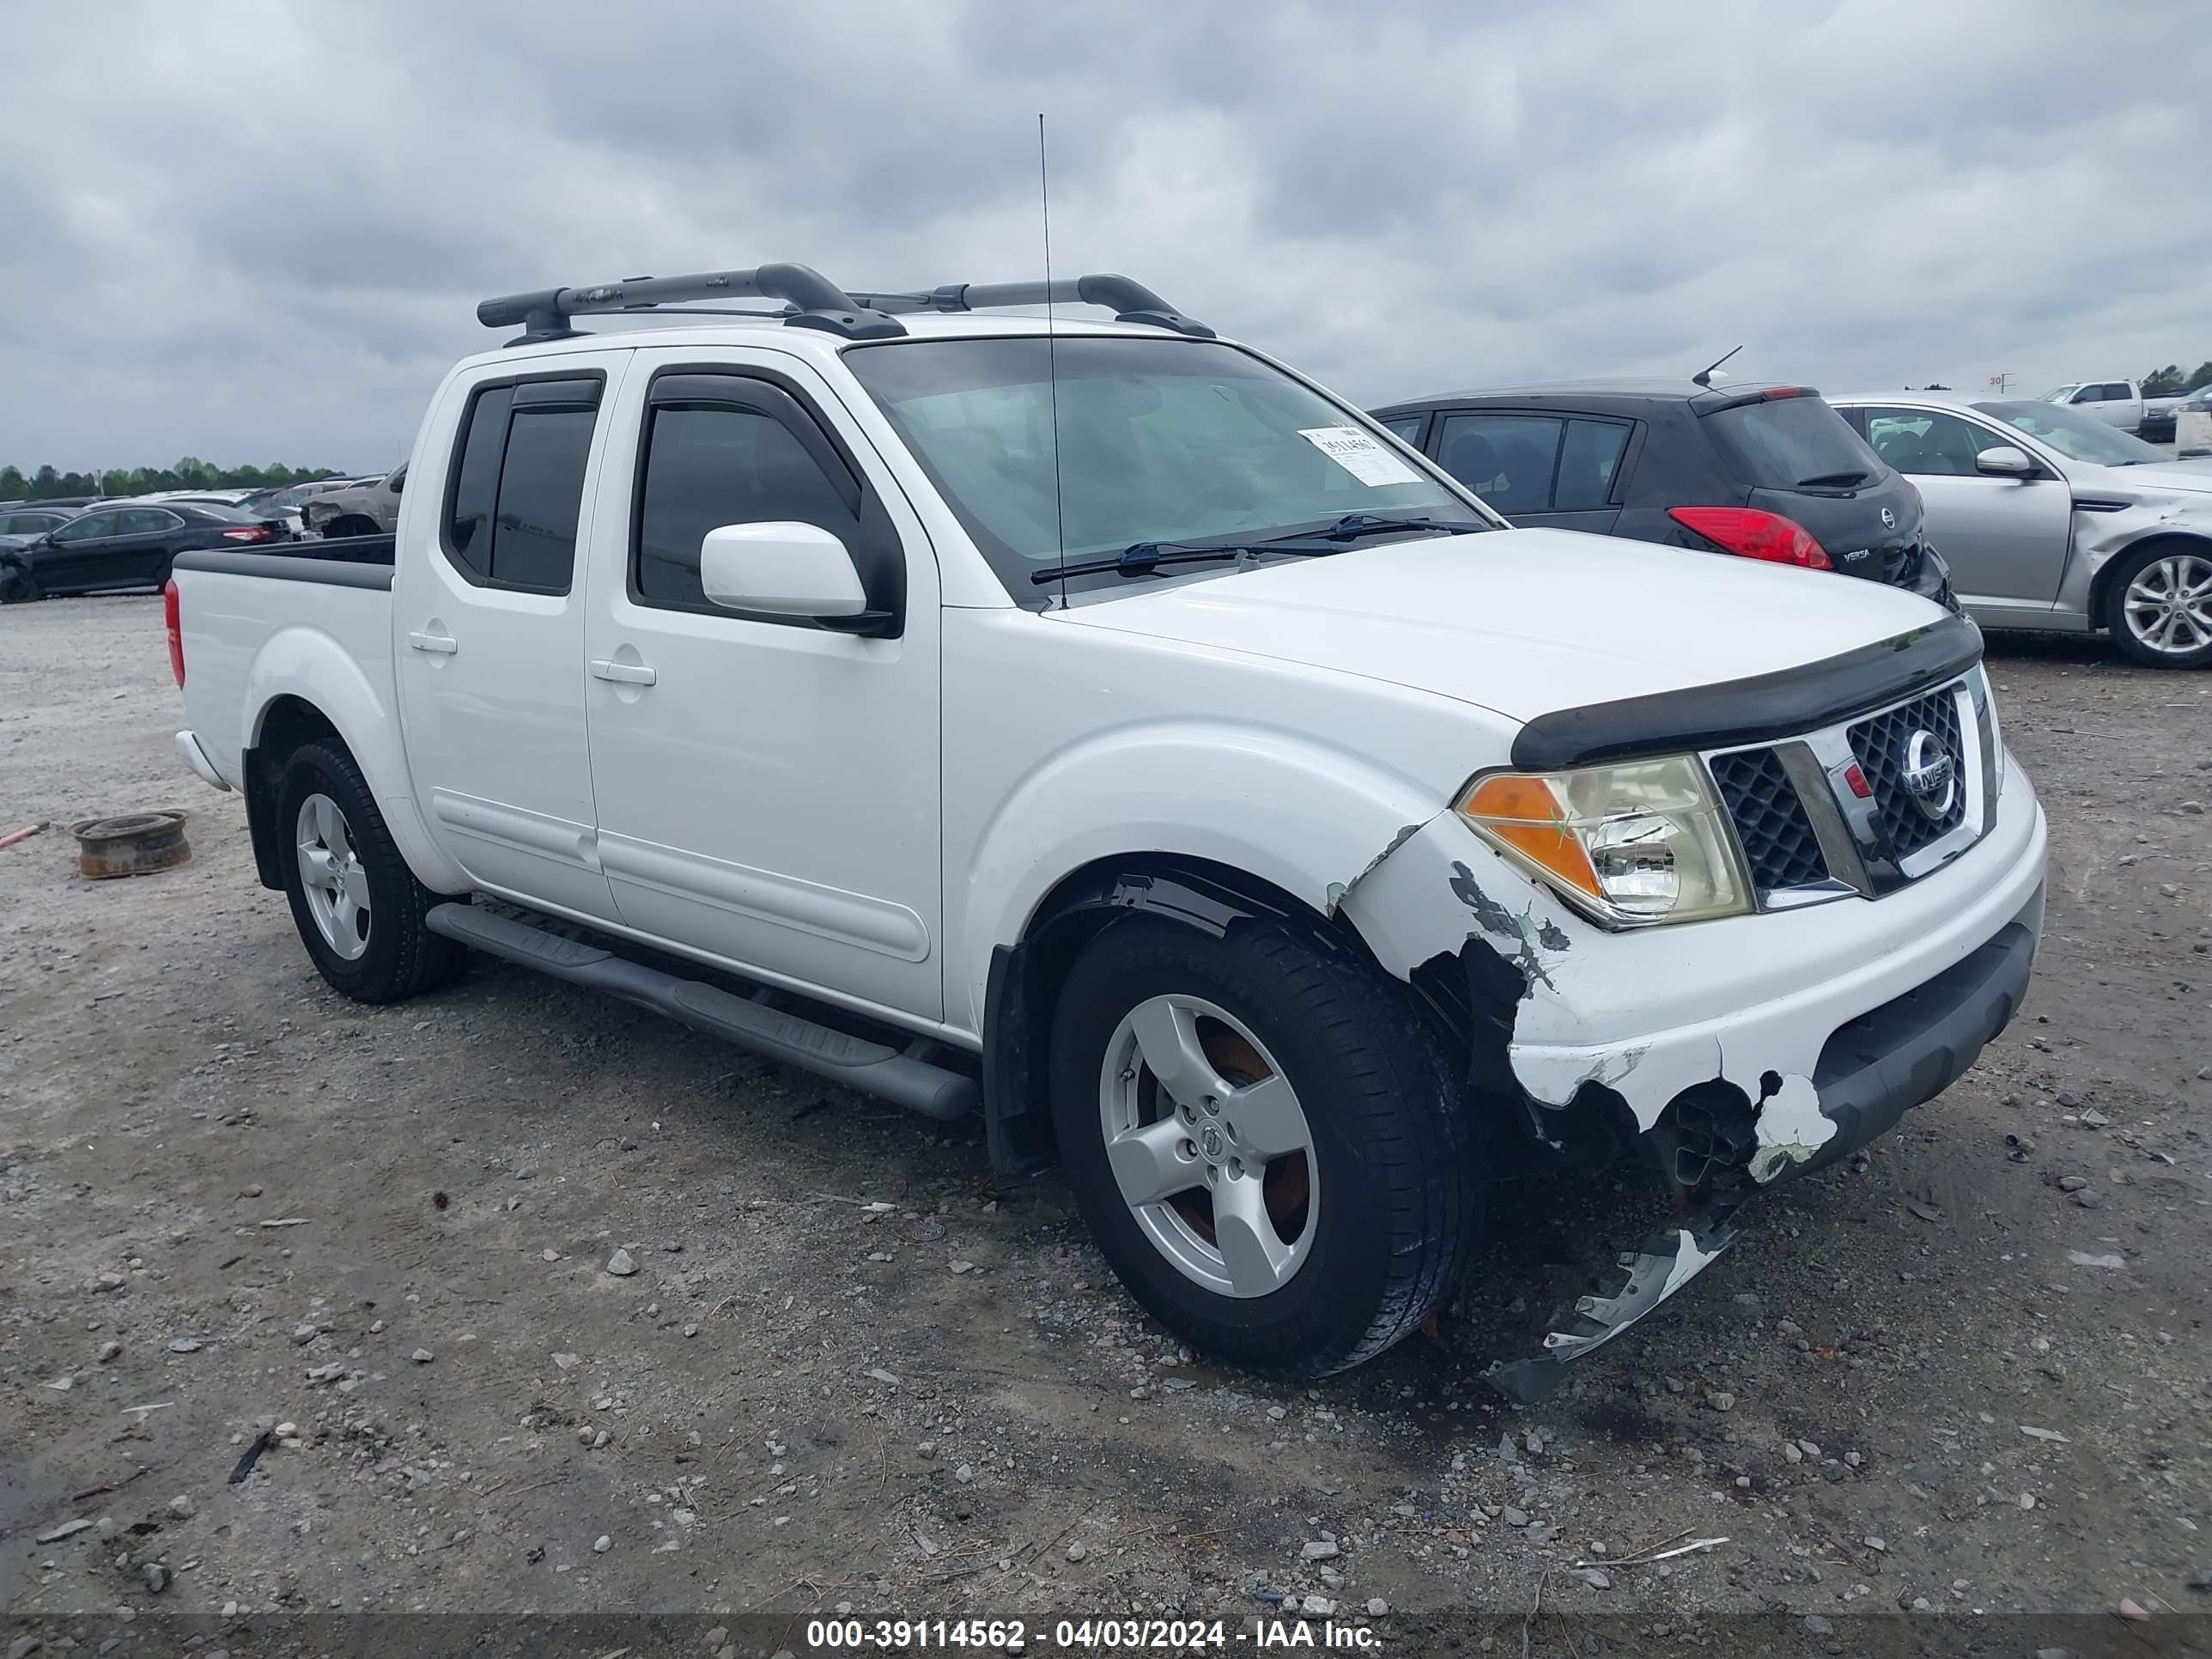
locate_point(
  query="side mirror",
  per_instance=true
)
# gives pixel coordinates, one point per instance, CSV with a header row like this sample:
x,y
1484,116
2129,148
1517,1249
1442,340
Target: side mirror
x,y
780,569
2004,461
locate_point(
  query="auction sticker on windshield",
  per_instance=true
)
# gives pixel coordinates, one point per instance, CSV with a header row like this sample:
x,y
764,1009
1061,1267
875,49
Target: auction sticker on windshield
x,y
1360,455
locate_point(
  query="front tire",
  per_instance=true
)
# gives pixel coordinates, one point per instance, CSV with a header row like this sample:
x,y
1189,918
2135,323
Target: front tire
x,y
2158,605
1264,1141
358,906
17,586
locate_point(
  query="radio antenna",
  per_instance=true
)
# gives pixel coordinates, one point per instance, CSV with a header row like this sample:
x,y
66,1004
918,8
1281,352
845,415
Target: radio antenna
x,y
1703,377
1052,363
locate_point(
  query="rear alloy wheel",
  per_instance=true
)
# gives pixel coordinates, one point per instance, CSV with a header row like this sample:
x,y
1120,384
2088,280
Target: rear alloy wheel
x,y
2161,607
332,878
1263,1139
359,910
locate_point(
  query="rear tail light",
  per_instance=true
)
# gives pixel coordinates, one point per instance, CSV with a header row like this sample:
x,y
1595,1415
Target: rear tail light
x,y
1753,534
175,622
252,532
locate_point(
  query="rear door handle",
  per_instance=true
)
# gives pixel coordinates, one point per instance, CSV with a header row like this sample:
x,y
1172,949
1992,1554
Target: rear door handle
x,y
443,644
625,673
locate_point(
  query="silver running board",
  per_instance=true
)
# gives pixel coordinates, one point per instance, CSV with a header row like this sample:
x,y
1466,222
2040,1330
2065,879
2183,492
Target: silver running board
x,y
873,1069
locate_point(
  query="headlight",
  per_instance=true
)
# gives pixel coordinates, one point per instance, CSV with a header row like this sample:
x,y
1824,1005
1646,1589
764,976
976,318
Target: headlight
x,y
1629,844
1986,707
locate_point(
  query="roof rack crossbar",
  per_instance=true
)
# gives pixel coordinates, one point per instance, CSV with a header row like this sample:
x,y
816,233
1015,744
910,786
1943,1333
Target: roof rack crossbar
x,y
817,302
1130,301
820,303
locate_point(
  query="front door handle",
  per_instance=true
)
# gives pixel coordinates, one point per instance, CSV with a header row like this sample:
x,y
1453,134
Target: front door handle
x,y
625,673
443,645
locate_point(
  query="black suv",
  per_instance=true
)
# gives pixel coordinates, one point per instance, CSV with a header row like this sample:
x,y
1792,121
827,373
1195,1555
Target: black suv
x,y
1764,471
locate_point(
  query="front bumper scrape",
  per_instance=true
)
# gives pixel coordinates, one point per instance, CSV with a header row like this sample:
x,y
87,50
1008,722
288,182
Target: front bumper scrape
x,y
1670,1258
1874,1069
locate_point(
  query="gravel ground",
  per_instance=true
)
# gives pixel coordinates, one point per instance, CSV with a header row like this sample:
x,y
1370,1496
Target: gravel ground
x,y
834,1361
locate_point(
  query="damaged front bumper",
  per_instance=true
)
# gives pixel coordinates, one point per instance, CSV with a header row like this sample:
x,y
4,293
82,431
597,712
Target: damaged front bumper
x,y
1733,1053
1872,1071
1646,1278
1814,1022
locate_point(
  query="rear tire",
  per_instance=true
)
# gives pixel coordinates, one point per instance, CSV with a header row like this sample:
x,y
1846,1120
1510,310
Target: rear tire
x,y
1368,1221
2158,605
358,906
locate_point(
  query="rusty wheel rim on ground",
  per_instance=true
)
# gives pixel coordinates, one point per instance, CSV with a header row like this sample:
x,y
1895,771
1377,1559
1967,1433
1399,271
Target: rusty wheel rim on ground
x,y
129,844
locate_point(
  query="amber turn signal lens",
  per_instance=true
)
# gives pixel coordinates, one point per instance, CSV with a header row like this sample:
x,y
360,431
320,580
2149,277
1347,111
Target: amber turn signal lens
x,y
1525,814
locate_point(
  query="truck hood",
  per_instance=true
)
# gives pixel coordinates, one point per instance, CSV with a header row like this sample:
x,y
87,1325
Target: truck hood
x,y
1522,622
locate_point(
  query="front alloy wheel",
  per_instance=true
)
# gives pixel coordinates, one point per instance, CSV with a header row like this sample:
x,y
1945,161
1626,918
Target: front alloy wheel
x,y
1268,1147
2164,609
1209,1146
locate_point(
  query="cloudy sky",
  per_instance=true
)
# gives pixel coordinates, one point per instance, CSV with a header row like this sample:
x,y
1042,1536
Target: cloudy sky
x,y
256,230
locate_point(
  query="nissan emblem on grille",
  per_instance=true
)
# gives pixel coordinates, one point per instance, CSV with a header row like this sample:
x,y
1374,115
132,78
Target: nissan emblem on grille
x,y
1930,775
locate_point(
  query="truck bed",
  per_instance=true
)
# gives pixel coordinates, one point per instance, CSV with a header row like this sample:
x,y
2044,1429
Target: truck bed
x,y
315,617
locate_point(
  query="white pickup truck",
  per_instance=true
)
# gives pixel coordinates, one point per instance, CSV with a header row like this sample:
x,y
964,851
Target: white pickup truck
x,y
1099,728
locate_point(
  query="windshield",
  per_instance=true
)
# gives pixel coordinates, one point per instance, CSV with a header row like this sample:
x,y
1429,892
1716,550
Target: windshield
x,y
1162,440
2077,436
2059,394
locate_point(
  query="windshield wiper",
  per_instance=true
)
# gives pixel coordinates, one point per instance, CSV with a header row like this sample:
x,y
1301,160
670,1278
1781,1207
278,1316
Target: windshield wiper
x,y
1141,558
1831,480
1353,526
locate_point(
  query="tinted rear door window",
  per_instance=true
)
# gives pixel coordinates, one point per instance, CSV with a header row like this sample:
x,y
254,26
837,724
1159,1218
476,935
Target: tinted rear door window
x,y
517,482
476,480
1588,460
1778,443
541,488
1507,459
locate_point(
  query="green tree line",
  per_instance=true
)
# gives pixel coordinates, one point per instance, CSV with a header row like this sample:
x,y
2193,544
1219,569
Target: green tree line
x,y
44,483
2170,380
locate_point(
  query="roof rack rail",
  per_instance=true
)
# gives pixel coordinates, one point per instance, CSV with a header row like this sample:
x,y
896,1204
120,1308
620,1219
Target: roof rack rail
x,y
1130,301
814,301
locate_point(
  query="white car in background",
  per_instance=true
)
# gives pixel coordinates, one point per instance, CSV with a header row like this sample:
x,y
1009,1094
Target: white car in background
x,y
2051,519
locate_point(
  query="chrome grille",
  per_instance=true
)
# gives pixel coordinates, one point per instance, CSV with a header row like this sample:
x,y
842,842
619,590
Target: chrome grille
x,y
1779,846
1880,743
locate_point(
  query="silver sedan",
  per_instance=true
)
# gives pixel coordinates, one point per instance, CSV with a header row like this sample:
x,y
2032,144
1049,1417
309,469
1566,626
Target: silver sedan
x,y
2051,520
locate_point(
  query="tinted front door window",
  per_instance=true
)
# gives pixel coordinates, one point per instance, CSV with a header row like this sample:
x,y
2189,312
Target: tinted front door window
x,y
712,466
1923,444
90,527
